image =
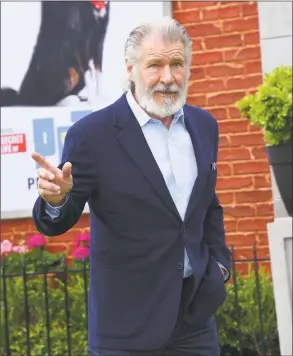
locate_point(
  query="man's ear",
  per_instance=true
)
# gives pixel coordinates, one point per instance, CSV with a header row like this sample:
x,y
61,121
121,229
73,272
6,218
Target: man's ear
x,y
129,68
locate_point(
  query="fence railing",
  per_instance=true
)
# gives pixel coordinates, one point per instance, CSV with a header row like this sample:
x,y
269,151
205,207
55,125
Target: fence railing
x,y
44,309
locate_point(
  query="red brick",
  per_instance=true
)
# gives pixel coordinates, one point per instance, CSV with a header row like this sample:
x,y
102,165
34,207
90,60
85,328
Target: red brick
x,y
11,225
242,54
218,113
248,53
203,29
185,17
233,126
56,248
242,253
224,141
259,224
221,12
249,8
259,152
262,238
251,38
253,196
197,73
223,41
20,237
212,85
196,4
233,183
233,113
210,14
243,240
251,167
254,66
224,99
198,45
224,70
239,25
254,128
224,169
230,225
234,154
6,226
247,139
21,227
244,267
84,221
265,210
70,248
207,58
225,198
262,181
7,236
196,100
244,83
239,211
69,236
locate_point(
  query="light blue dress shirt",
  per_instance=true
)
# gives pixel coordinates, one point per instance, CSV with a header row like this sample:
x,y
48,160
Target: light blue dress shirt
x,y
173,151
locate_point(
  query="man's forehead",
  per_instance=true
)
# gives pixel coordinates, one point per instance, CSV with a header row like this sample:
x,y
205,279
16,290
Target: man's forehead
x,y
153,45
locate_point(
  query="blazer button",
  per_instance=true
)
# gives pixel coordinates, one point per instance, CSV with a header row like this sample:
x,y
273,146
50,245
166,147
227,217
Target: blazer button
x,y
180,265
183,228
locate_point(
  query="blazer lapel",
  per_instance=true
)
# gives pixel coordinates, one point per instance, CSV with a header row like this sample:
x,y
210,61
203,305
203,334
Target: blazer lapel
x,y
199,184
135,145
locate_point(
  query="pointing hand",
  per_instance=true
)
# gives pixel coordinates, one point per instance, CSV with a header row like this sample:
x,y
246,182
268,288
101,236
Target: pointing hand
x,y
53,183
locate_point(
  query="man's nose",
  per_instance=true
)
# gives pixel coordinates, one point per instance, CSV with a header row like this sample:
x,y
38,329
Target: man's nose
x,y
166,76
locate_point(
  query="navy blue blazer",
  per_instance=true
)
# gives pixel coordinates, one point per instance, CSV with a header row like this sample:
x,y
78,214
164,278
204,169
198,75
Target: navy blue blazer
x,y
137,235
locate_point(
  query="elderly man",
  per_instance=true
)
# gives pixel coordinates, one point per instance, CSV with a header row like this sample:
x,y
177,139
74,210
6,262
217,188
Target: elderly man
x,y
147,167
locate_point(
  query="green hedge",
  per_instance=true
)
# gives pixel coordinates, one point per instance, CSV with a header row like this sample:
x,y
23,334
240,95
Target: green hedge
x,y
244,318
227,317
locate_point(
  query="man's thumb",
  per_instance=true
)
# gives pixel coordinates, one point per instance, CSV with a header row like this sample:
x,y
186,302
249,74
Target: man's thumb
x,y
66,170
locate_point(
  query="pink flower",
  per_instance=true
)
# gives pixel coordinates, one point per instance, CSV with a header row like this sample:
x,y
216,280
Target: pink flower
x,y
82,240
81,252
5,247
20,249
36,241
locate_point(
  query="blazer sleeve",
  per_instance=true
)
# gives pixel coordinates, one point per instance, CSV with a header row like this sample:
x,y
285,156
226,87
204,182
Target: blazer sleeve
x,y
214,231
84,172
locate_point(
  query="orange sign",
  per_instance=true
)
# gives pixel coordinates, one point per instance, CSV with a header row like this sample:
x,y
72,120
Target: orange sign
x,y
13,143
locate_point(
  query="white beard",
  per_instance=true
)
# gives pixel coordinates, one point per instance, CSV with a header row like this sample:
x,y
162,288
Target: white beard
x,y
167,107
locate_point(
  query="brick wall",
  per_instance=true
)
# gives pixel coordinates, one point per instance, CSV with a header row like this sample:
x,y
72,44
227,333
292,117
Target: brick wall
x,y
226,66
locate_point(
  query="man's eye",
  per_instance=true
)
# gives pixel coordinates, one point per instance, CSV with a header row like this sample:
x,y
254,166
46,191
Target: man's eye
x,y
177,64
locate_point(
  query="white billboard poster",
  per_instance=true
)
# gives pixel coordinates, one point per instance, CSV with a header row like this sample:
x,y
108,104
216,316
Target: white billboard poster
x,y
65,62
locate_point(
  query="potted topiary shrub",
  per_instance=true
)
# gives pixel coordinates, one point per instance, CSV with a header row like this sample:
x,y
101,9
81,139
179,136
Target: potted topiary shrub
x,y
270,108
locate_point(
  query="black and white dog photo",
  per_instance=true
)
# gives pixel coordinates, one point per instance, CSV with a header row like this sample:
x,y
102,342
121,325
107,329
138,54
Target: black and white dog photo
x,y
63,58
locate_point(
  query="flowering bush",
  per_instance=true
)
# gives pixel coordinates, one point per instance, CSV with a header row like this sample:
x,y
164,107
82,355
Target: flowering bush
x,y
24,267
32,255
81,250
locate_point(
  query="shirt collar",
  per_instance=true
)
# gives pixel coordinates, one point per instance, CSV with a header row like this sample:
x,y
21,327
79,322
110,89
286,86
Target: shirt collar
x,y
142,117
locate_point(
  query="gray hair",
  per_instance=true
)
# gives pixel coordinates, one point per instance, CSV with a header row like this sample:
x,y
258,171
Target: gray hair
x,y
167,27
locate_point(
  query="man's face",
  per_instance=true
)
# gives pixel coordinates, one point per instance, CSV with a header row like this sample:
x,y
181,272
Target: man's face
x,y
160,76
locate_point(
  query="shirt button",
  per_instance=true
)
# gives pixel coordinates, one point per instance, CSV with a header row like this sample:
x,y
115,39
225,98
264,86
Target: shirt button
x,y
180,265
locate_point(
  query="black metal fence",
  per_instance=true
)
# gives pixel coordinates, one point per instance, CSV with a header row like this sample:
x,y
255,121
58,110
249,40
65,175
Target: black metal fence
x,y
44,309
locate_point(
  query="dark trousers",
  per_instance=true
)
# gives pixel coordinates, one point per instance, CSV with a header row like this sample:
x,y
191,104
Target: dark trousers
x,y
187,340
